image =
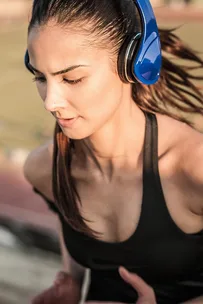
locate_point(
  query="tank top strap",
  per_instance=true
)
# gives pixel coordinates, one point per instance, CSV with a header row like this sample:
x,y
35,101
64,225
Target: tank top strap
x,y
150,157
153,198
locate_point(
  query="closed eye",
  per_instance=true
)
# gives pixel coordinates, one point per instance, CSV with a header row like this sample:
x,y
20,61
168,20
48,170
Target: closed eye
x,y
43,79
72,81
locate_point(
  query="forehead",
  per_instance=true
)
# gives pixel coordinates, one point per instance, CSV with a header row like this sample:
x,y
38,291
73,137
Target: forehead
x,y
52,42
56,33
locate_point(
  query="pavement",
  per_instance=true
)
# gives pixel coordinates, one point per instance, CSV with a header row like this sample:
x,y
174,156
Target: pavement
x,y
19,202
29,249
25,273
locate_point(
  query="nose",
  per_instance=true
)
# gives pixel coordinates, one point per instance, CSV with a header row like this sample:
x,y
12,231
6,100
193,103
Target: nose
x,y
54,99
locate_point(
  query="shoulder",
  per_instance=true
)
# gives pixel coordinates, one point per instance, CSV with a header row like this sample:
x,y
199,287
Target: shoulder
x,y
186,146
192,160
173,136
191,165
180,138
38,168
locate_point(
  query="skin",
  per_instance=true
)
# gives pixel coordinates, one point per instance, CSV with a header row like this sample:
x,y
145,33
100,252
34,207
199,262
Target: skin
x,y
111,127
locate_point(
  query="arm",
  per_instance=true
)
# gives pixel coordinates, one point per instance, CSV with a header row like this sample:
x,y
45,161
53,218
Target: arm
x,y
192,168
68,284
38,172
37,169
193,171
195,301
68,264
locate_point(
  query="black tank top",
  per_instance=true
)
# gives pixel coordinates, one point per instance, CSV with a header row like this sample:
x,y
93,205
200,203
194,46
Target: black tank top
x,y
168,259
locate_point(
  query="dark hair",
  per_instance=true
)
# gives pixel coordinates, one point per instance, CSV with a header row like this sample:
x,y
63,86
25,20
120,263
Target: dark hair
x,y
112,22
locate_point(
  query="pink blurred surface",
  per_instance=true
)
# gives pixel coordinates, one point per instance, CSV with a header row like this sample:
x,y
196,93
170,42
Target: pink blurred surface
x,y
19,202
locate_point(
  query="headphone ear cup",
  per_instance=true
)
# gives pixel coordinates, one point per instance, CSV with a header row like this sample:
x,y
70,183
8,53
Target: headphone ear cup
x,y
121,59
131,57
26,61
126,57
146,64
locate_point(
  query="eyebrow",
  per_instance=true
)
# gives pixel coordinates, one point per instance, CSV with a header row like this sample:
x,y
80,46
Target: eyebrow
x,y
66,70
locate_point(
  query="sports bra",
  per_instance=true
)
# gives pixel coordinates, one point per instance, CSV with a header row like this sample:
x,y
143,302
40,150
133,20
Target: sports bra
x,y
168,259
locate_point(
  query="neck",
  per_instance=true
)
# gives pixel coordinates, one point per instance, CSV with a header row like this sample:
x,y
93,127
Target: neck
x,y
118,143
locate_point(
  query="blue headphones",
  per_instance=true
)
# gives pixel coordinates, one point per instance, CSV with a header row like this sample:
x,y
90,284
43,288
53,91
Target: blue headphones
x,y
140,56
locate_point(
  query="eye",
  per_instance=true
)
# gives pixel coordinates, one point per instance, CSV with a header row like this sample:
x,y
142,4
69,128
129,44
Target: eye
x,y
72,81
43,79
39,79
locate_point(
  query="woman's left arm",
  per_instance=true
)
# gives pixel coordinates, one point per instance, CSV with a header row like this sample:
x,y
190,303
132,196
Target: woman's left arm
x,y
192,168
195,301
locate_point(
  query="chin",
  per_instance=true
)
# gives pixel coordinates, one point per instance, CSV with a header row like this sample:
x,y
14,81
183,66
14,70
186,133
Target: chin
x,y
75,135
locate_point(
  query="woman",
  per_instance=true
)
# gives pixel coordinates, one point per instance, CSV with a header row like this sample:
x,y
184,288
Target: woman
x,y
126,180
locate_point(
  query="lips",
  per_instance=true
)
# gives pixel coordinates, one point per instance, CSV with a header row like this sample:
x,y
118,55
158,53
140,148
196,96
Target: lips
x,y
62,118
65,119
67,122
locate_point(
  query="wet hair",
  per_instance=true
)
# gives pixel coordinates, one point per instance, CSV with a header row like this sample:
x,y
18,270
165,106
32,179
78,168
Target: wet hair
x,y
110,23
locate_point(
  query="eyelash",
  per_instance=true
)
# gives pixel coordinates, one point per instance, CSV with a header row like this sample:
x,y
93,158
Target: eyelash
x,y
42,80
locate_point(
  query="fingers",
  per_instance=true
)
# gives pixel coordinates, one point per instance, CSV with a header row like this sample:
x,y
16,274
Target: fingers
x,y
44,298
63,292
63,277
93,302
142,288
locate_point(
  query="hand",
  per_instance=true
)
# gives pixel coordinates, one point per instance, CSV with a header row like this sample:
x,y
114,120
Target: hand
x,y
64,290
97,302
146,294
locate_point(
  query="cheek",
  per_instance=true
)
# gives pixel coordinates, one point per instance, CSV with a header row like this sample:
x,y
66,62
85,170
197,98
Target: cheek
x,y
104,99
100,95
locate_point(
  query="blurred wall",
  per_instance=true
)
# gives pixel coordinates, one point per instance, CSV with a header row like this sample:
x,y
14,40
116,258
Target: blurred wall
x,y
14,8
19,8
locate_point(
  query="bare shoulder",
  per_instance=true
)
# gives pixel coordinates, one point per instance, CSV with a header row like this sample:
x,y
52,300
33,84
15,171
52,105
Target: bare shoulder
x,y
192,160
38,168
176,134
186,146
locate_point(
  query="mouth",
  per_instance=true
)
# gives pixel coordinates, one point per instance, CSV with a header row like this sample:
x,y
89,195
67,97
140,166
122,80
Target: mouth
x,y
67,122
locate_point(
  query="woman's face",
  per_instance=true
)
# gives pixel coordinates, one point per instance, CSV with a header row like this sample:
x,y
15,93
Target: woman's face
x,y
75,80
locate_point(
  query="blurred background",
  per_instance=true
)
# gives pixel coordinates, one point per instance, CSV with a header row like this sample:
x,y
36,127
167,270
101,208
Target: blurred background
x,y
29,249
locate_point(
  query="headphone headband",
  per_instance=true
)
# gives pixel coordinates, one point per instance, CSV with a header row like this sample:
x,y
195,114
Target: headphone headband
x,y
147,65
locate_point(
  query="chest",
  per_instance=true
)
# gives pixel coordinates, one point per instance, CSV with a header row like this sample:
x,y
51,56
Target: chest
x,y
150,243
106,206
151,252
114,209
